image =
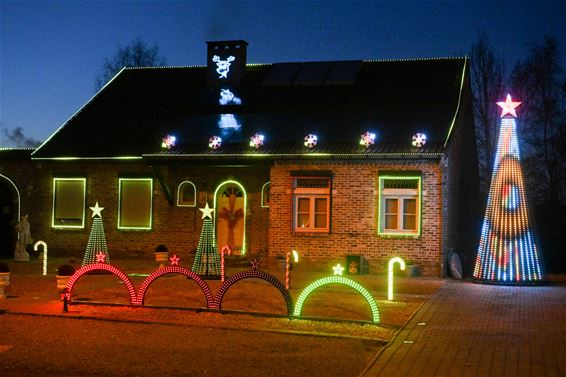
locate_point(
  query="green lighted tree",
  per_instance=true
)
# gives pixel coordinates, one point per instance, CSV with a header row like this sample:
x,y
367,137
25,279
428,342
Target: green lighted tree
x,y
207,259
96,249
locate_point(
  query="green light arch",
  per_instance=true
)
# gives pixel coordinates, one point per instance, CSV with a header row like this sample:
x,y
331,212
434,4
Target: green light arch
x,y
241,187
337,280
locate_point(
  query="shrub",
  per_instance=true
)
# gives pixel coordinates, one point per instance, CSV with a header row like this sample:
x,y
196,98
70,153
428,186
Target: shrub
x,y
4,267
65,270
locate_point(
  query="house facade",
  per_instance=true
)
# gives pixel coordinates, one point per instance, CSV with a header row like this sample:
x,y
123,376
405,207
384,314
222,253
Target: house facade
x,y
372,158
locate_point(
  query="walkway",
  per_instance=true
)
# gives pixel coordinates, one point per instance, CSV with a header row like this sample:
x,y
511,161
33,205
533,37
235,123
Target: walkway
x,y
469,329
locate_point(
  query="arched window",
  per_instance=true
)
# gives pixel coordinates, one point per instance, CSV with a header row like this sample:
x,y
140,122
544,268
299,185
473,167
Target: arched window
x,y
265,196
186,194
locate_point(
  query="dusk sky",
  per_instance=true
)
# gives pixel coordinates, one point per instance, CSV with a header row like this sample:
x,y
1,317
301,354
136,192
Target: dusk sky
x,y
51,52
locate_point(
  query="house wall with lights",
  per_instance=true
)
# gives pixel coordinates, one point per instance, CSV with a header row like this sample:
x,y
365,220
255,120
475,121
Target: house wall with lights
x,y
331,158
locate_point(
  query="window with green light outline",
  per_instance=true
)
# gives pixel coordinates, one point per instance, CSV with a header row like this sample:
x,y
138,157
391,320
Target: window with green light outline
x,y
265,195
222,186
135,203
399,212
184,197
69,199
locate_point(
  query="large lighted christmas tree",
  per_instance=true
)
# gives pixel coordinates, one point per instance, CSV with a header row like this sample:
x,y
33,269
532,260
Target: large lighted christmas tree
x,y
207,259
96,249
508,252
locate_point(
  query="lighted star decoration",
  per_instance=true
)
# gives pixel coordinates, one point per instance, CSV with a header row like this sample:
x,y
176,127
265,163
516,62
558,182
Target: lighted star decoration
x,y
215,142
206,211
367,139
96,210
174,260
419,139
508,107
255,264
338,269
256,140
311,140
168,142
100,257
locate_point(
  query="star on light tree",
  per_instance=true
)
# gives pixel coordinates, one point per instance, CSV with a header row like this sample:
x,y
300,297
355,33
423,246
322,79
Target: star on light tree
x,y
96,249
207,259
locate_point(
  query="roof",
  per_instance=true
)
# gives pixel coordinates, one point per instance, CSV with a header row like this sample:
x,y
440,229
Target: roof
x,y
15,154
338,101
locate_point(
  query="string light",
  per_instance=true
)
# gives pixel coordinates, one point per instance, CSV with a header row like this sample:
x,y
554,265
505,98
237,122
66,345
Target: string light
x,y
419,140
507,250
337,280
96,248
35,247
168,142
367,139
215,142
257,140
311,140
253,274
390,266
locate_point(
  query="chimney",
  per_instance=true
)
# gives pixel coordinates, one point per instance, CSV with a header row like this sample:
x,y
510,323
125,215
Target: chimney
x,y
226,63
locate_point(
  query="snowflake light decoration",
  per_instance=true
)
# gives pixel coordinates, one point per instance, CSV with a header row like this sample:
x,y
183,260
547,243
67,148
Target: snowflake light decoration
x,y
311,140
215,142
100,257
168,142
367,139
256,140
419,139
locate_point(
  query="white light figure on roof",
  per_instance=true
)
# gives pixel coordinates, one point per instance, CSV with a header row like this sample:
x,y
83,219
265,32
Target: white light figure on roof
x,y
168,142
256,140
419,140
215,142
223,65
228,121
367,139
228,98
311,140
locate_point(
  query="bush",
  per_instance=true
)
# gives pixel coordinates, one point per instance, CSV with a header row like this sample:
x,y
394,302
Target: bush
x,y
4,267
65,270
161,249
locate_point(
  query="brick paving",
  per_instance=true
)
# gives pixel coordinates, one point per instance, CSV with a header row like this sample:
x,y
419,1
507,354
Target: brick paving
x,y
469,329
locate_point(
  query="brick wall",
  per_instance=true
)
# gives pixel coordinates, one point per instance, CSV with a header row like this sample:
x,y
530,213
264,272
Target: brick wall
x,y
354,215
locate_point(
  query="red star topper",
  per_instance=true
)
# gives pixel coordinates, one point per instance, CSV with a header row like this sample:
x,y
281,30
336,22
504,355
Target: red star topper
x,y
174,260
508,107
100,257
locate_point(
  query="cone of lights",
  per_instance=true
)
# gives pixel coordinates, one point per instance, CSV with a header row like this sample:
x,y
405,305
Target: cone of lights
x,y
507,252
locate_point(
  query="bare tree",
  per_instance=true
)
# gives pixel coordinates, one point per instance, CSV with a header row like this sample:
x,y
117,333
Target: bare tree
x,y
540,84
137,54
487,80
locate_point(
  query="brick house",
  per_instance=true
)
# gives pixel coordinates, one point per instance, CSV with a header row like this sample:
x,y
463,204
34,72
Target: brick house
x,y
277,149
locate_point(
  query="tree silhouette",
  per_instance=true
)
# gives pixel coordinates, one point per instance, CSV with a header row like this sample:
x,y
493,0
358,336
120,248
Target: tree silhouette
x,y
137,54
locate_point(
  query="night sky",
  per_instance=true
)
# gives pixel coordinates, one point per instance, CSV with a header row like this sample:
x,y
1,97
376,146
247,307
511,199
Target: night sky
x,y
51,52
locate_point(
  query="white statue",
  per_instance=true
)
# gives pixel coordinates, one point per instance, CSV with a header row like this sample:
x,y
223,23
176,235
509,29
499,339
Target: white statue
x,y
24,238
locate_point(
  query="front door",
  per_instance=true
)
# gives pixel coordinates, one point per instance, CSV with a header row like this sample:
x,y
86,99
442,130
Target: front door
x,y
231,217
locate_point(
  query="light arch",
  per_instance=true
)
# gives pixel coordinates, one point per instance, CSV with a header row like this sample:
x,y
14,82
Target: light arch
x,y
337,280
106,267
17,194
253,274
245,196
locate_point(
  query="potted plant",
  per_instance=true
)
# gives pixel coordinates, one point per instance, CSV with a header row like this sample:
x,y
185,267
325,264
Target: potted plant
x,y
4,278
161,255
64,273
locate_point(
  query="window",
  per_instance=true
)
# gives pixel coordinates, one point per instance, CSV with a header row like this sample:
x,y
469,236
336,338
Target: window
x,y
400,205
135,203
265,195
186,194
311,200
68,203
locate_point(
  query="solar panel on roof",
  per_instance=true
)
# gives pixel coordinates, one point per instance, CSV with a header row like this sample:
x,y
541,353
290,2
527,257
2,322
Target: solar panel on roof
x,y
312,73
282,74
343,72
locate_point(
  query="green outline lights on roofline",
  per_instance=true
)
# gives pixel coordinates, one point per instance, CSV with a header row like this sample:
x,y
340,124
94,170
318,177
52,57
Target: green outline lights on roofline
x,y
149,226
228,182
416,234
